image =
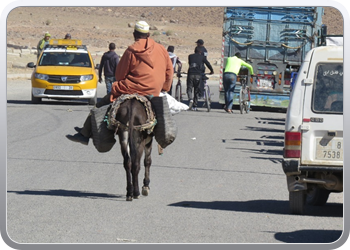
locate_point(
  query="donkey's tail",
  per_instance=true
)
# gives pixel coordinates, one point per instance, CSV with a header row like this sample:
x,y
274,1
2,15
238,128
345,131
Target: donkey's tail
x,y
131,139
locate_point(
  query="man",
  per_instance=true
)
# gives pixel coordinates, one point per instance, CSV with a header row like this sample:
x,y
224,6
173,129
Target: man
x,y
232,68
200,45
176,61
42,43
145,68
203,50
195,73
109,62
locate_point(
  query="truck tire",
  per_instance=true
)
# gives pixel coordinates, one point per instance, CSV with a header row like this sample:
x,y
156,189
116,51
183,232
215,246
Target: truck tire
x,y
297,202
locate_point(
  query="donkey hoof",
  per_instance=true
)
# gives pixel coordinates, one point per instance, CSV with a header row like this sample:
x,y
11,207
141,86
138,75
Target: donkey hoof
x,y
128,198
145,191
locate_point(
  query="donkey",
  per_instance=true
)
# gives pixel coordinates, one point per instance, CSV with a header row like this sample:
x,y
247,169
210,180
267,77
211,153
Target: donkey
x,y
134,139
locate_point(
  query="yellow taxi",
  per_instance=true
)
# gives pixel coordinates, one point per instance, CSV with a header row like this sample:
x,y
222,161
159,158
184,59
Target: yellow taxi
x,y
64,70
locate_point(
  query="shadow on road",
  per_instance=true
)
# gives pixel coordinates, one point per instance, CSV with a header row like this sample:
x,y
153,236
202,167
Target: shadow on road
x,y
50,102
309,236
67,193
263,206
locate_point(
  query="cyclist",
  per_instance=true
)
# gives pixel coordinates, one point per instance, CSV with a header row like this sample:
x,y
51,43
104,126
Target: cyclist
x,y
232,68
195,71
176,61
200,45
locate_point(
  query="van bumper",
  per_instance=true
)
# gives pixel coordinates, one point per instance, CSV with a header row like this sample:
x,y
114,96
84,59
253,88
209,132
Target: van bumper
x,y
330,177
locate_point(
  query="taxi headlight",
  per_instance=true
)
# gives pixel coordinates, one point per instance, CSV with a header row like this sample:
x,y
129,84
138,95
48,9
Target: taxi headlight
x,y
86,78
42,76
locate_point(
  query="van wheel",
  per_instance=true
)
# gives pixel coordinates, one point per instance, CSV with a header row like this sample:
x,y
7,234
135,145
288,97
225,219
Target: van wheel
x,y
36,100
317,196
297,202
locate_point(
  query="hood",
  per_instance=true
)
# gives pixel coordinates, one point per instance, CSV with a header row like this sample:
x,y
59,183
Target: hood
x,y
64,70
142,50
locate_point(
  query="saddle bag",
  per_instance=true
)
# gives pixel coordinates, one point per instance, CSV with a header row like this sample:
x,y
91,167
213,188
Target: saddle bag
x,y
103,138
165,130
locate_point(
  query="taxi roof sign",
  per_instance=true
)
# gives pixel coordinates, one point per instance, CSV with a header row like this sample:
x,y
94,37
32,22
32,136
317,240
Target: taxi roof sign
x,y
66,42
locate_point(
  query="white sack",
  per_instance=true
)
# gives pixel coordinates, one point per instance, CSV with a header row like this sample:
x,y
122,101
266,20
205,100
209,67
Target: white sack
x,y
174,106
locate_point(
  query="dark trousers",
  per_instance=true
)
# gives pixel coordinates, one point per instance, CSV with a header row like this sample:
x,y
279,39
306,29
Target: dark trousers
x,y
193,82
87,130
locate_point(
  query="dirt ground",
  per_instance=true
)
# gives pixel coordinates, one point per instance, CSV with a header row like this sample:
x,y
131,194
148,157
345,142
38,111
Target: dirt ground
x,y
98,26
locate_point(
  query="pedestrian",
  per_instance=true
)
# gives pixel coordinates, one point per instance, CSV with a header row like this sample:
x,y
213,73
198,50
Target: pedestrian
x,y
200,45
232,68
67,36
195,73
42,43
176,62
203,50
108,64
145,68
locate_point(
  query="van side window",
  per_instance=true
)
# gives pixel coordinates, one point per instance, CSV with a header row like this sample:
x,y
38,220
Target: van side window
x,y
328,88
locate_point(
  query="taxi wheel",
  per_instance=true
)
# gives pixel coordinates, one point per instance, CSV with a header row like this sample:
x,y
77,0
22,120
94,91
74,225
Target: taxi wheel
x,y
93,100
36,100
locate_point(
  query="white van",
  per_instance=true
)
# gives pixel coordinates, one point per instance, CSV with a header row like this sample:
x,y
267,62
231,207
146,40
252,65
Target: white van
x,y
313,143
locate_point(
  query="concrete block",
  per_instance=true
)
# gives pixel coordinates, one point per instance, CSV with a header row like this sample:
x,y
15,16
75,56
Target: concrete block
x,y
17,51
25,51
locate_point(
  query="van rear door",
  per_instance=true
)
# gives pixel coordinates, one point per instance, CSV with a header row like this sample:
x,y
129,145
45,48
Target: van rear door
x,y
322,126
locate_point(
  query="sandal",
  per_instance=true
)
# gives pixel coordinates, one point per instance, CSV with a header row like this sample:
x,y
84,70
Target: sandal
x,y
229,111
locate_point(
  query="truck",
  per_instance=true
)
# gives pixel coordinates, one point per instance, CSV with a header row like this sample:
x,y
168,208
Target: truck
x,y
274,40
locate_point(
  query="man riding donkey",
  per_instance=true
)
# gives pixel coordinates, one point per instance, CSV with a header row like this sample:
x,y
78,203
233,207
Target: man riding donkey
x,y
145,69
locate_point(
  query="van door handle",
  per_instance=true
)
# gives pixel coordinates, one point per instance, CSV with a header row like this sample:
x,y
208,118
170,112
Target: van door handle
x,y
304,127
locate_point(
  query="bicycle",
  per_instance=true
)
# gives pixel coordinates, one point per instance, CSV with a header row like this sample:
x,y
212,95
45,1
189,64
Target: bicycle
x,y
207,94
244,95
178,88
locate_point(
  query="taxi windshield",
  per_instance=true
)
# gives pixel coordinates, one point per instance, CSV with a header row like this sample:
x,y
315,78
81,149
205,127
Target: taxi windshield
x,y
64,59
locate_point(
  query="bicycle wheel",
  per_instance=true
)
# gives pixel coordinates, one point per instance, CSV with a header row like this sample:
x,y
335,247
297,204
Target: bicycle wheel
x,y
248,102
207,97
241,102
178,93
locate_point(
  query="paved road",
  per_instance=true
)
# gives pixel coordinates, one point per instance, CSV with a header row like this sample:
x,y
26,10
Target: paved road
x,y
220,182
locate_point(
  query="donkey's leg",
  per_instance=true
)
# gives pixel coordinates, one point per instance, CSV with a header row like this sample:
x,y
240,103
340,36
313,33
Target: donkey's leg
x,y
147,163
123,140
136,165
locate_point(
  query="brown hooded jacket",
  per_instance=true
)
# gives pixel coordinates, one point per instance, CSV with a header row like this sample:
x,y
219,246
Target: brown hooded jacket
x,y
145,68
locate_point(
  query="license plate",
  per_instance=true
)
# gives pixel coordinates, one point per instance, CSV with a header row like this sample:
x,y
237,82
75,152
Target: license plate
x,y
264,83
63,87
331,150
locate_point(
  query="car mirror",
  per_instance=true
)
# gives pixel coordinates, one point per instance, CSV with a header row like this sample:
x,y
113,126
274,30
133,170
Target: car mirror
x,y
97,66
31,65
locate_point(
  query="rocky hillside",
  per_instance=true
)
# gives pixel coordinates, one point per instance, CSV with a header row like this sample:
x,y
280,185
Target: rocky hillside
x,y
98,26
